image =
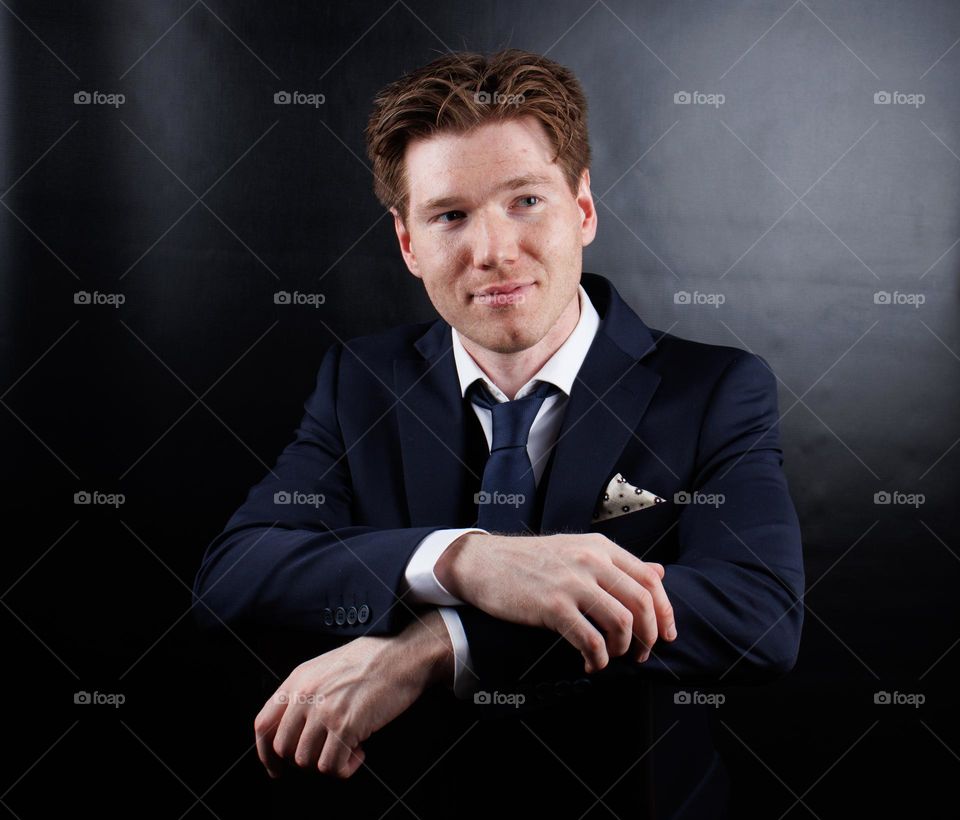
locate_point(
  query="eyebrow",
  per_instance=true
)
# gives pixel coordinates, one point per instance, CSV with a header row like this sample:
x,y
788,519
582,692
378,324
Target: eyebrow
x,y
525,181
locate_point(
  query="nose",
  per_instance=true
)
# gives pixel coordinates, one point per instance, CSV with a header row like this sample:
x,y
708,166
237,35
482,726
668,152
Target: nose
x,y
493,240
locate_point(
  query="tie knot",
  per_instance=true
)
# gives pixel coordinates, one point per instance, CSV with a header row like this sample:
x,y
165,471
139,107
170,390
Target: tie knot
x,y
512,420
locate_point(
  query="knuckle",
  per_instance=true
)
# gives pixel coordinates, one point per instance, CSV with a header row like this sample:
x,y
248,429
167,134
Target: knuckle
x,y
302,759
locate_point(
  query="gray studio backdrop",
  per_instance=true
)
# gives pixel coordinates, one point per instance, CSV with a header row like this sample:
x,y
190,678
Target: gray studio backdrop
x,y
778,177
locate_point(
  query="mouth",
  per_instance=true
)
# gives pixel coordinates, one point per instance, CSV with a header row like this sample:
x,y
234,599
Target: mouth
x,y
511,293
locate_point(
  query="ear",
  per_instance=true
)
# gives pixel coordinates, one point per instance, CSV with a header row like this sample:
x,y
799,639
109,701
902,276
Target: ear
x,y
588,212
406,245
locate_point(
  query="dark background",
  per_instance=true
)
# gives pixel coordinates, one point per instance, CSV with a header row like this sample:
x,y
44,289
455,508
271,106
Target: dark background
x,y
182,397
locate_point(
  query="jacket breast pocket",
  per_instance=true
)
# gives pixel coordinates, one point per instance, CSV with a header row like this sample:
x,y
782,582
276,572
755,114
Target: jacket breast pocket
x,y
649,533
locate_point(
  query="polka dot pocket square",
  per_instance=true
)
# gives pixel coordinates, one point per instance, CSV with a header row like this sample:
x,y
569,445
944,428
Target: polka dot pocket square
x,y
621,497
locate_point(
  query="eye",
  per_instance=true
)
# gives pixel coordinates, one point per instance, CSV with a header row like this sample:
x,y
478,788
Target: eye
x,y
441,219
531,197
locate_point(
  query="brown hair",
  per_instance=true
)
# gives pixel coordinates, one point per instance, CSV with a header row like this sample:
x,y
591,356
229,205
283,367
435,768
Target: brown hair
x,y
460,91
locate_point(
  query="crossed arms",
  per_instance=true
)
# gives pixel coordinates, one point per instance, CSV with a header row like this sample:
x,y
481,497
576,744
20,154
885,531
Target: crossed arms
x,y
532,610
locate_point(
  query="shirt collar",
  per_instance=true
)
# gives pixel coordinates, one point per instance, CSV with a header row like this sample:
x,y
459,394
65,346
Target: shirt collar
x,y
560,369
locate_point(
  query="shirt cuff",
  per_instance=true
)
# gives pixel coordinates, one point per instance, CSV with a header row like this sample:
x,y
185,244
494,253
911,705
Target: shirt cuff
x,y
421,579
465,682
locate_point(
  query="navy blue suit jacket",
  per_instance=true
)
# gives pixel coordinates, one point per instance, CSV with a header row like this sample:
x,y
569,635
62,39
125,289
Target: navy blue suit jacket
x,y
380,460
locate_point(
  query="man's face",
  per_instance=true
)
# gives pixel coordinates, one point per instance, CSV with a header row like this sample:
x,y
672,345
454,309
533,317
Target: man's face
x,y
488,209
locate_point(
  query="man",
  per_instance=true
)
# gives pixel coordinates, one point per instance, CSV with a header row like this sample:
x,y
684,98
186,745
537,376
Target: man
x,y
494,503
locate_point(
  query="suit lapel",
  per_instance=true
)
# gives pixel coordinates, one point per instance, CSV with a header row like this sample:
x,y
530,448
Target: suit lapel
x,y
608,399
433,432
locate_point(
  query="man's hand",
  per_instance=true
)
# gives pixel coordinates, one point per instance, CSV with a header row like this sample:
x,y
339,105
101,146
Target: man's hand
x,y
328,706
556,581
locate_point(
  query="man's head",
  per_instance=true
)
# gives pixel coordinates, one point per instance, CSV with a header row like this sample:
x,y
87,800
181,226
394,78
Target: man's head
x,y
484,163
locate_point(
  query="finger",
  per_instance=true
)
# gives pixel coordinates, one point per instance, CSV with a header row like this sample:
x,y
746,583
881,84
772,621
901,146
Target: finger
x,y
287,739
357,756
614,620
571,625
265,727
311,741
658,567
647,574
638,600
334,758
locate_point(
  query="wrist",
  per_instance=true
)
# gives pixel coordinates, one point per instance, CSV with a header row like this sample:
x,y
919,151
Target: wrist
x,y
424,649
449,566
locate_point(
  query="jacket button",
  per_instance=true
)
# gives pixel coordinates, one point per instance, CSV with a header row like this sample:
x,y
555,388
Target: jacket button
x,y
581,685
363,614
327,616
352,615
341,616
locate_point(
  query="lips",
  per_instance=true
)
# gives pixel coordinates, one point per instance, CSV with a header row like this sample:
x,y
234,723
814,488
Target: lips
x,y
502,295
505,288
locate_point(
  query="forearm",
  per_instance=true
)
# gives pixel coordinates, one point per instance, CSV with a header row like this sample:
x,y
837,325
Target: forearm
x,y
719,638
423,650
301,579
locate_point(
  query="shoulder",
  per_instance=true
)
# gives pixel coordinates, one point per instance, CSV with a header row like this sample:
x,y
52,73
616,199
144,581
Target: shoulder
x,y
707,363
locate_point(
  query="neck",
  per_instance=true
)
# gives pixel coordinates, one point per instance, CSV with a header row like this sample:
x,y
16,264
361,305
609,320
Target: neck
x,y
511,371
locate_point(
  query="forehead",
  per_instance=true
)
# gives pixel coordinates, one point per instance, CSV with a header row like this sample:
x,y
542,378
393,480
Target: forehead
x,y
485,154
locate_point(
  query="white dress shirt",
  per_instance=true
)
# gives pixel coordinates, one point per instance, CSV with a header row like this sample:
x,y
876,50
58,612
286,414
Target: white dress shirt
x,y
560,369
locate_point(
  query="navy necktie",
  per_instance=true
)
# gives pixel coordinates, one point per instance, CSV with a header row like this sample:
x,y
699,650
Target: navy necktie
x,y
508,489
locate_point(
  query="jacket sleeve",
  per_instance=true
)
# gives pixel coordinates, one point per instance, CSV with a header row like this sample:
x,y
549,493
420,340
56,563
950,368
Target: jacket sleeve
x,y
737,584
290,557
